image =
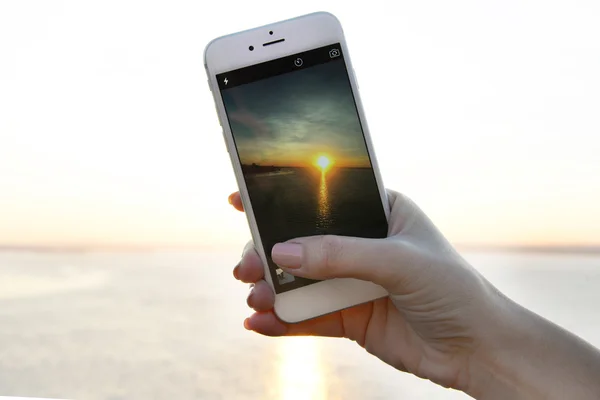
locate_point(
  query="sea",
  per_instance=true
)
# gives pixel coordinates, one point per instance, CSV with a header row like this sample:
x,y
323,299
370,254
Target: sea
x,y
168,325
305,202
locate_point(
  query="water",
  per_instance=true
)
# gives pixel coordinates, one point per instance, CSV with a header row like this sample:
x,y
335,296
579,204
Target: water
x,y
168,326
304,202
297,202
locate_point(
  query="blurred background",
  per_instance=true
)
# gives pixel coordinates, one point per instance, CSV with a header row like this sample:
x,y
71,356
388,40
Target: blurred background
x,y
116,239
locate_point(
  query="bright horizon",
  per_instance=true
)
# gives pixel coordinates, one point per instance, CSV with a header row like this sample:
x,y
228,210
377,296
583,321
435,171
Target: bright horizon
x,y
289,119
485,113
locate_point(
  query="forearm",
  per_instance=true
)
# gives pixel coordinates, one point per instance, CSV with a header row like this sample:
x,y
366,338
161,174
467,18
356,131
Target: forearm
x,y
528,357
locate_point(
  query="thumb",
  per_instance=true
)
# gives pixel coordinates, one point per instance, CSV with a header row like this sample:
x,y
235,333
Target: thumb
x,y
326,257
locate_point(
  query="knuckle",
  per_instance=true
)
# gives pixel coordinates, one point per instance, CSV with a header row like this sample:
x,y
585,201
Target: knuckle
x,y
403,199
332,250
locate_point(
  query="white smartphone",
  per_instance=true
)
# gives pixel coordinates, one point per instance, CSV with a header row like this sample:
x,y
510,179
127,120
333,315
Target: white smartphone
x,y
293,124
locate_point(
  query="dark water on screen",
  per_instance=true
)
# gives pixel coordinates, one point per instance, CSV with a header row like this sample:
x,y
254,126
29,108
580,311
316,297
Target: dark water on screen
x,y
297,202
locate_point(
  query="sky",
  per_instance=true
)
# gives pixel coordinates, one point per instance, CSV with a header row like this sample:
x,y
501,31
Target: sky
x,y
295,118
485,113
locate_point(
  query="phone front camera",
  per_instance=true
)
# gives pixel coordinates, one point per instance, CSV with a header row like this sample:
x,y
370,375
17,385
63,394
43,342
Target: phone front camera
x,y
270,32
251,48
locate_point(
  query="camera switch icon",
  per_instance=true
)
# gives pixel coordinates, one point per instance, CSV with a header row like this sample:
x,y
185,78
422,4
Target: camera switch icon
x,y
333,53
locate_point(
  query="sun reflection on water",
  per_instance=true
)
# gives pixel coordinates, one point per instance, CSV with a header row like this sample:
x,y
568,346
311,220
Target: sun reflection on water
x,y
323,202
301,371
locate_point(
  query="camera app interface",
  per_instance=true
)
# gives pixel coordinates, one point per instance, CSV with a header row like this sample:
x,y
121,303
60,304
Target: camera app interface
x,y
303,153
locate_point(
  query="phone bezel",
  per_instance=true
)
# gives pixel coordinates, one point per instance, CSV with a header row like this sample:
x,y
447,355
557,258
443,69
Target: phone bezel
x,y
231,52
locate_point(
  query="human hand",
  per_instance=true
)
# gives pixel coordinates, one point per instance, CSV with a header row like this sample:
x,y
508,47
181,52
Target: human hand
x,y
434,321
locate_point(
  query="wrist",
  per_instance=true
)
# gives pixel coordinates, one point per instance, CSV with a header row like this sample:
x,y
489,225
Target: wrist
x,y
501,366
524,356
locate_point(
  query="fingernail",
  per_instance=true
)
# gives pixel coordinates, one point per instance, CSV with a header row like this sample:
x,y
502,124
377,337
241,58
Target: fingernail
x,y
236,272
229,199
287,255
247,323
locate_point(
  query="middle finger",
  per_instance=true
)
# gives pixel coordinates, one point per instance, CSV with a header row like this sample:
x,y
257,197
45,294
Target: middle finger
x,y
250,269
261,297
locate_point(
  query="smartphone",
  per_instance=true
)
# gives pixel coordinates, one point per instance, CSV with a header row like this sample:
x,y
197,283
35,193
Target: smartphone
x,y
287,100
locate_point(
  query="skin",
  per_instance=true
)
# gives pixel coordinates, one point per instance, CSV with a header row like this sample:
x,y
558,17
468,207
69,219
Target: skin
x,y
442,320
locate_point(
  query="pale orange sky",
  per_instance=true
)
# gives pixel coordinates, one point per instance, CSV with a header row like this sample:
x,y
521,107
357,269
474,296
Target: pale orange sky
x,y
486,113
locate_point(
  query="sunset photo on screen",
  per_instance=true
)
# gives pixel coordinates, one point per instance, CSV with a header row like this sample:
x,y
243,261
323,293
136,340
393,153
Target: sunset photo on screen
x,y
304,158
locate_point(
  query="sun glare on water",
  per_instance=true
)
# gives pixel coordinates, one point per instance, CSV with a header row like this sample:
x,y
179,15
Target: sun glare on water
x,y
302,372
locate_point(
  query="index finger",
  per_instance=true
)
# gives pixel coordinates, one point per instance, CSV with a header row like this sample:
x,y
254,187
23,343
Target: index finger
x,y
236,201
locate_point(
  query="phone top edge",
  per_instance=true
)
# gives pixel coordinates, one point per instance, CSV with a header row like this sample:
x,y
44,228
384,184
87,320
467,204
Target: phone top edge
x,y
222,38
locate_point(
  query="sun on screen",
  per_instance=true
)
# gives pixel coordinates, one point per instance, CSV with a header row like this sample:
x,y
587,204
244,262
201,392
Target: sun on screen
x,y
323,162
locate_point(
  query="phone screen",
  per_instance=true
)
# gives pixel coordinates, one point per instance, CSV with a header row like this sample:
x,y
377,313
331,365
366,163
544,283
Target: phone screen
x,y
304,158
